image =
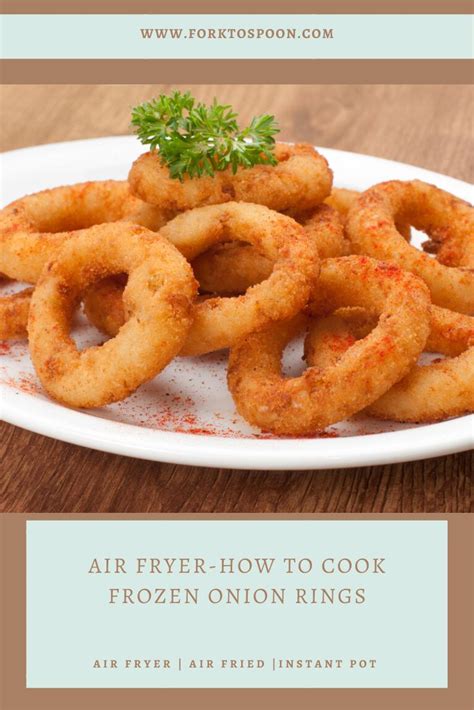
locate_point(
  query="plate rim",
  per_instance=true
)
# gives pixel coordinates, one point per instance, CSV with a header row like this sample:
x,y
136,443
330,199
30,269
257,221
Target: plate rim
x,y
180,448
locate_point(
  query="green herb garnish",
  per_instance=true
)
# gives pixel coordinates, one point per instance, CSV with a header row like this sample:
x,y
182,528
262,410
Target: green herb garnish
x,y
194,139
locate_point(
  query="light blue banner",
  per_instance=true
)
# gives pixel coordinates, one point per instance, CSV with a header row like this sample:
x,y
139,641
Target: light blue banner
x,y
274,604
237,36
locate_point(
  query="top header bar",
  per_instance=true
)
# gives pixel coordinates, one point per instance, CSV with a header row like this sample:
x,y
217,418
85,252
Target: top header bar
x,y
177,7
237,37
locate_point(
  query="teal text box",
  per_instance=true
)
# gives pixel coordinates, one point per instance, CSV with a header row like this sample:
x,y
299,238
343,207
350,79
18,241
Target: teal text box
x,y
349,36
74,632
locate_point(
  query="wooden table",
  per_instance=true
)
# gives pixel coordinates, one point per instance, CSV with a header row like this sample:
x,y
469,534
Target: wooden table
x,y
428,126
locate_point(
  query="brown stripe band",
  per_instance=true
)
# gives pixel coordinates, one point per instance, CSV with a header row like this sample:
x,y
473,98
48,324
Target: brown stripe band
x,y
458,695
252,7
237,71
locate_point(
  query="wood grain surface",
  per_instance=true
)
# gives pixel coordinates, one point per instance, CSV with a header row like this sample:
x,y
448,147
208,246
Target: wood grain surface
x,y
429,126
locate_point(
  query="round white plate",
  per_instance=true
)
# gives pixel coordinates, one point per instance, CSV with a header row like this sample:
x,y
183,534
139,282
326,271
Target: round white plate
x,y
186,415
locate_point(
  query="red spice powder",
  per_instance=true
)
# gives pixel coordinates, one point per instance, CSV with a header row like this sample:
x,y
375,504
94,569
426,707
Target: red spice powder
x,y
172,420
340,343
25,382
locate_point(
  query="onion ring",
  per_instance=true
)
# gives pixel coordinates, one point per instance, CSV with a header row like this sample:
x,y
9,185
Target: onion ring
x,y
342,199
371,230
233,267
300,181
158,298
427,393
14,314
305,404
34,228
220,322
103,304
452,249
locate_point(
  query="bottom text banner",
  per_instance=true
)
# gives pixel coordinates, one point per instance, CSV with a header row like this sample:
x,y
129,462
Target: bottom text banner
x,y
236,604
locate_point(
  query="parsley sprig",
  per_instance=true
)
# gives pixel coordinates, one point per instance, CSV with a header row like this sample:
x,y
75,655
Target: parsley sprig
x,y
194,139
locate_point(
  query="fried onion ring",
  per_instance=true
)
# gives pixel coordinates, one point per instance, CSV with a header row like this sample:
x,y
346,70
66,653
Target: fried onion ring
x,y
220,322
34,228
319,397
158,299
300,181
371,230
427,393
233,267
452,249
103,304
14,314
343,199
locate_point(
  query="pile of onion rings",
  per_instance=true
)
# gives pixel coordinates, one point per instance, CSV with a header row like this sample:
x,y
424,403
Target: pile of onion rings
x,y
249,261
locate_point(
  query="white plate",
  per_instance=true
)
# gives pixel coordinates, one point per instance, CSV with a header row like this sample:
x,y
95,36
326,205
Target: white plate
x,y
187,415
